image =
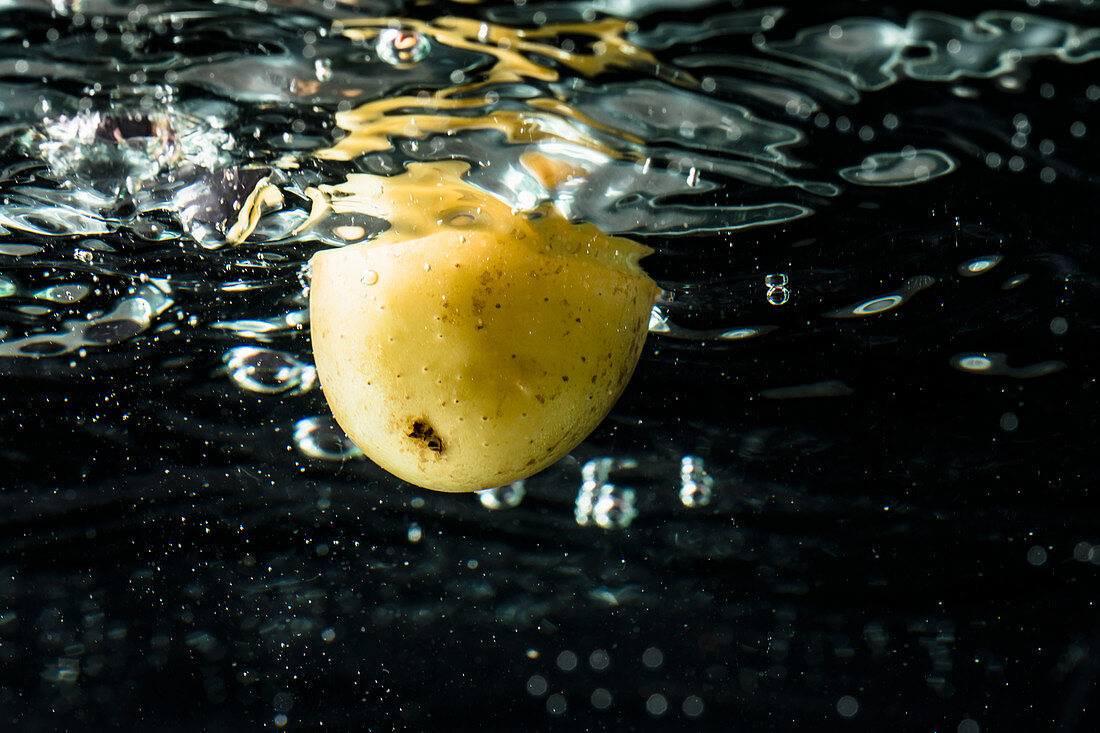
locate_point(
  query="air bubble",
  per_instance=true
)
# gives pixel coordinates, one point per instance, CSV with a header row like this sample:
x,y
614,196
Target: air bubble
x,y
847,706
601,699
320,437
537,685
508,496
1037,556
653,658
656,705
599,660
567,661
267,371
979,265
556,704
399,47
693,706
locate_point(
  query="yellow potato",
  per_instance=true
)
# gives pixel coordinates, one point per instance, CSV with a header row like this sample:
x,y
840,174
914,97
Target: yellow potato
x,y
466,350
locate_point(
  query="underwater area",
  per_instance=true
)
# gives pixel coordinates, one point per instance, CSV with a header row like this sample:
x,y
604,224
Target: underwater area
x,y
847,487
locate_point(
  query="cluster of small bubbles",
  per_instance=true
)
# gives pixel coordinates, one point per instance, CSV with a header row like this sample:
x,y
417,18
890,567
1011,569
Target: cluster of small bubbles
x,y
508,496
415,533
1036,555
776,284
606,505
305,275
399,47
614,508
120,149
320,437
696,485
268,371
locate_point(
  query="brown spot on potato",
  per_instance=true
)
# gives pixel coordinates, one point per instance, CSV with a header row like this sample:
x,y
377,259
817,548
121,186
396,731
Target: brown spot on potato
x,y
424,434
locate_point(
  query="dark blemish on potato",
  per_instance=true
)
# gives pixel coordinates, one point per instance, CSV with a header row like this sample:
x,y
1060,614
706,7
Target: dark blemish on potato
x,y
423,433
565,379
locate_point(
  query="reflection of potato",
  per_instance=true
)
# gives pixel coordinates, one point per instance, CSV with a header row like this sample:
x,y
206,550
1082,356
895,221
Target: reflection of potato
x,y
473,356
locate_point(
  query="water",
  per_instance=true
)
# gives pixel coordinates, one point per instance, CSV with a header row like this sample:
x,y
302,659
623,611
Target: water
x,y
848,487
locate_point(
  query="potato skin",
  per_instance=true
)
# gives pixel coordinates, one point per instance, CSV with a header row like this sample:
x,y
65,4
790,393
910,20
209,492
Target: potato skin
x,y
469,358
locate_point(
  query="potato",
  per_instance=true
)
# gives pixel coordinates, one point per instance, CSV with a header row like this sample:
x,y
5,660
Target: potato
x,y
467,350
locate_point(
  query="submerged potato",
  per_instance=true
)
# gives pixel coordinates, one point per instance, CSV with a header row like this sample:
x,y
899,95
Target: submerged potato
x,y
477,354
